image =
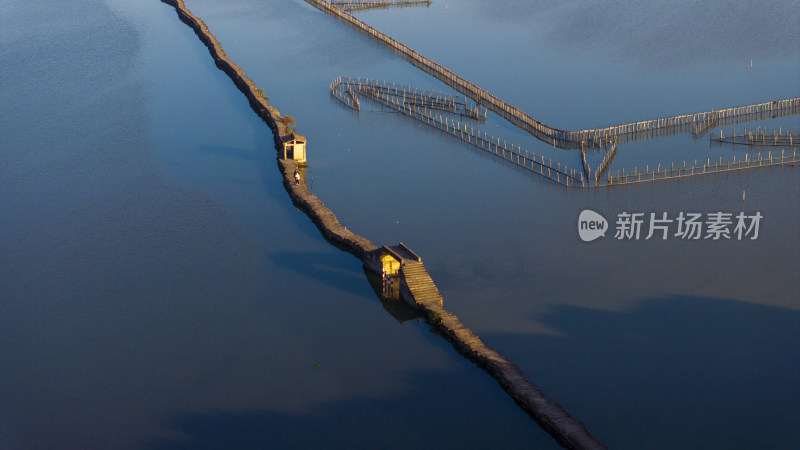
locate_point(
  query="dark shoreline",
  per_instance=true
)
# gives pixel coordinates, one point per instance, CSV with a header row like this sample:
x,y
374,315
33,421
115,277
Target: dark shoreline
x,y
552,417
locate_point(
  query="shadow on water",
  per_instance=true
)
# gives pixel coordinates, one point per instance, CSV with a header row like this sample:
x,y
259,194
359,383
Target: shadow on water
x,y
398,308
265,161
326,267
678,372
381,422
322,267
227,151
225,154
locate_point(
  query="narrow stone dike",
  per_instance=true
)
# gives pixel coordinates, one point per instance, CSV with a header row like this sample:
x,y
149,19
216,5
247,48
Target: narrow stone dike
x,y
569,432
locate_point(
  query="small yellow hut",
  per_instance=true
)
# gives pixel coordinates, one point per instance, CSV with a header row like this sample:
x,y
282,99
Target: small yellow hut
x,y
390,261
294,147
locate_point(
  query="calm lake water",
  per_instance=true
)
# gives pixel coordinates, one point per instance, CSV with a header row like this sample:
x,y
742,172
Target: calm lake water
x,y
159,290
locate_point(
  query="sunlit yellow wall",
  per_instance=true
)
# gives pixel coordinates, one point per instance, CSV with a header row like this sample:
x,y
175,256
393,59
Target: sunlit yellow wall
x,y
390,265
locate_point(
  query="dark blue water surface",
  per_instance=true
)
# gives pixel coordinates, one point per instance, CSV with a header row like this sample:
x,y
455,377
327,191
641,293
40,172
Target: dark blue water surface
x,y
157,287
159,290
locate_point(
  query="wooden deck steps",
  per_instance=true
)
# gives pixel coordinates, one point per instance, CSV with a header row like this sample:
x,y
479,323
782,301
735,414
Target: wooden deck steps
x,y
419,283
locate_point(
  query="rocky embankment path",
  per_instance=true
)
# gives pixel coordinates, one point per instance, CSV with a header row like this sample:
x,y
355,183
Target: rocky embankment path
x,y
417,288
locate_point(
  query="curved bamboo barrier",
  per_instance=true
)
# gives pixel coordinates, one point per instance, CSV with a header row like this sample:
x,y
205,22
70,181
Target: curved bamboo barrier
x,y
364,5
429,113
650,174
478,95
694,123
759,138
591,138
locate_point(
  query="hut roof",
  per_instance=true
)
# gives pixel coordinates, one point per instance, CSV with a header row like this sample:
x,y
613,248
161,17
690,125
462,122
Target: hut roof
x,y
294,138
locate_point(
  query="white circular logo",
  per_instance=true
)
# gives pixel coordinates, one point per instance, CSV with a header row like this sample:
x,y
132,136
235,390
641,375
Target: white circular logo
x,y
591,225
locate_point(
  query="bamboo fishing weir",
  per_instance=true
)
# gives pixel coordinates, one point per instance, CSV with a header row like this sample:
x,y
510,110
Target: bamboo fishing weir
x,y
759,138
689,123
478,95
377,90
619,177
363,5
435,110
417,288
592,138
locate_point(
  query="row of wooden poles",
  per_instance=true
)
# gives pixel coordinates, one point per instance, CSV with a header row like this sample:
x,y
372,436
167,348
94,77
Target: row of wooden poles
x,y
406,94
381,94
586,169
690,122
501,149
447,103
347,92
361,5
760,137
602,167
605,163
478,95
697,129
701,128
567,139
619,177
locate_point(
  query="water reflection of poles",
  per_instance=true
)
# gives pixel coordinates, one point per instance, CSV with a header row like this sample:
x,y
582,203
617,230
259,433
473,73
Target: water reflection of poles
x,y
388,284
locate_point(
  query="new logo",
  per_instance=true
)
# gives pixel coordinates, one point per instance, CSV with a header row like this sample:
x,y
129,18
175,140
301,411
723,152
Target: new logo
x,y
591,225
